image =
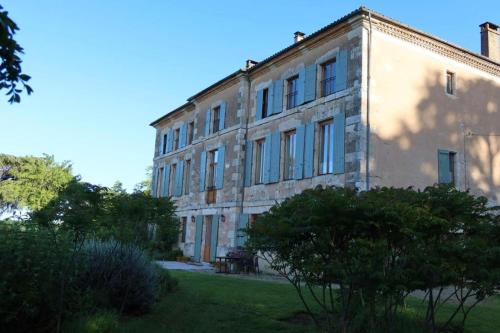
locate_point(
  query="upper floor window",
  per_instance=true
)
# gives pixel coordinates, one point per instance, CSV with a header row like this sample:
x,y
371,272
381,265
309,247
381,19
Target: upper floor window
x,y
213,159
184,229
290,139
329,74
291,97
159,183
326,147
171,184
265,105
446,167
450,83
164,147
176,138
190,133
215,119
187,180
259,161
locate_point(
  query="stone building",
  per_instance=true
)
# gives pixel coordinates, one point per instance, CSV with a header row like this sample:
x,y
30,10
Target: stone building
x,y
365,101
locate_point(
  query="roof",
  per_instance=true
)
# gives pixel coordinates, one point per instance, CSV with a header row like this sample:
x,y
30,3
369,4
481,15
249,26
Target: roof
x,y
359,11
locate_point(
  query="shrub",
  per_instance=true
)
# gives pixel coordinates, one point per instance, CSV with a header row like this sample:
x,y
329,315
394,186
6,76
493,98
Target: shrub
x,y
120,276
100,322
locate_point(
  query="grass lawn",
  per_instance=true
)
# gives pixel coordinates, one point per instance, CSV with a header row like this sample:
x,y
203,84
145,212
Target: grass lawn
x,y
214,303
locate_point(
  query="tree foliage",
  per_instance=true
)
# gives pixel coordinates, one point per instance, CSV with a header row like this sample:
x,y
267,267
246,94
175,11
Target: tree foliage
x,y
377,247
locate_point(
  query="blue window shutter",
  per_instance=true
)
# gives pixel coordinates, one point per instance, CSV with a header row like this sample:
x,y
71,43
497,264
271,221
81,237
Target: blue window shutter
x,y
222,116
299,152
203,165
241,235
190,176
277,96
214,238
338,142
153,181
341,67
178,178
166,181
197,237
274,175
207,122
258,104
163,146
270,99
310,83
248,163
309,150
219,180
444,175
267,160
301,82
170,140
182,136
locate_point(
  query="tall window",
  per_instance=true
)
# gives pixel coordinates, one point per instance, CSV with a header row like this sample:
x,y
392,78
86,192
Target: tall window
x,y
172,177
164,148
451,158
265,106
291,97
450,83
159,183
176,138
212,168
446,167
190,134
215,119
259,161
184,226
187,177
329,74
326,148
289,155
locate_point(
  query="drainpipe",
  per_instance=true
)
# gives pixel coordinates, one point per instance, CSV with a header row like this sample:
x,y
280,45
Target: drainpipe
x,y
367,161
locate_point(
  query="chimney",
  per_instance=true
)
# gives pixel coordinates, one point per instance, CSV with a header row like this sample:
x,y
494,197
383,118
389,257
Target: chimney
x,y
298,36
490,45
250,63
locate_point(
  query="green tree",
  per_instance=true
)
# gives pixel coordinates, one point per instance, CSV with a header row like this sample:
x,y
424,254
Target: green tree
x,y
11,76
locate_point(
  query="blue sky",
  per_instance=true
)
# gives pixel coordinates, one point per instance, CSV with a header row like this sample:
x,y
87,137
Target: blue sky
x,y
103,70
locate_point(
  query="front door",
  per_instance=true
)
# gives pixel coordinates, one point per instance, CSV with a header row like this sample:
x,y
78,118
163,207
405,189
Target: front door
x,y
208,238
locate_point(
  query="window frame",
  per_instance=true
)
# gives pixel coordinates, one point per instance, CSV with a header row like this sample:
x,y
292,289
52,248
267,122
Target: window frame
x,y
212,162
289,160
260,155
330,81
184,227
173,169
159,182
291,96
265,104
177,133
186,181
164,147
190,133
326,154
215,119
452,163
451,80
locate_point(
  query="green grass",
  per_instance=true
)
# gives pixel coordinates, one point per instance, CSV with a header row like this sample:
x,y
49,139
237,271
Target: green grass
x,y
214,303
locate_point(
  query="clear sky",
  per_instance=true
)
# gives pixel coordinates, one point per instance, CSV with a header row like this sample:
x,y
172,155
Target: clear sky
x,y
104,69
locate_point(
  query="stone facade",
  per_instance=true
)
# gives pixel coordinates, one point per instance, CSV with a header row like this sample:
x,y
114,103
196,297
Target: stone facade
x,y
374,48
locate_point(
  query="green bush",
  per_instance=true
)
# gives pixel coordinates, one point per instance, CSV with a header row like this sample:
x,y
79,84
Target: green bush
x,y
167,283
101,322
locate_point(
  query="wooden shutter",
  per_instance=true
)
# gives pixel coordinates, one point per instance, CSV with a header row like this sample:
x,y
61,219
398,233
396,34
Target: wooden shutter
x,y
310,83
270,99
222,116
203,166
444,175
179,172
182,136
248,163
338,142
301,81
341,67
258,104
309,150
241,235
170,140
207,122
267,160
166,180
197,237
219,180
277,96
214,237
299,152
274,175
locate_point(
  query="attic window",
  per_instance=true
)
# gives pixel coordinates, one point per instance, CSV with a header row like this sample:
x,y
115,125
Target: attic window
x,y
450,83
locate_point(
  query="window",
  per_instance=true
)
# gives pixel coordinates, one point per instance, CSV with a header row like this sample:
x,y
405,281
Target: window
x,y
289,155
159,183
176,138
164,148
260,161
187,177
450,83
183,231
291,97
190,134
212,168
446,167
451,158
265,106
172,177
329,73
215,119
326,148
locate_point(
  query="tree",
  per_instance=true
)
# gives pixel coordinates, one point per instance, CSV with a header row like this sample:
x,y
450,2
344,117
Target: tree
x,y
11,76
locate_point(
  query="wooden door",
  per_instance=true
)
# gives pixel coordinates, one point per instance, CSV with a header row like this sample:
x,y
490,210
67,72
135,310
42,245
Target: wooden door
x,y
208,238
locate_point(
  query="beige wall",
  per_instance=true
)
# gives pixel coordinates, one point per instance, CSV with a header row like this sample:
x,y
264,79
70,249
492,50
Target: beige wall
x,y
412,117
